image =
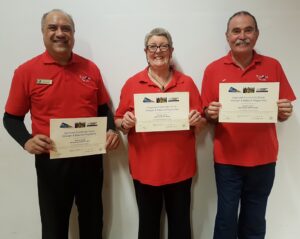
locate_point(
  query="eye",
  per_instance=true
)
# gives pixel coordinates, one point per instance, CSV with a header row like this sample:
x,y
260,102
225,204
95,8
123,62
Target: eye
x,y
164,47
152,48
66,28
52,27
236,31
249,30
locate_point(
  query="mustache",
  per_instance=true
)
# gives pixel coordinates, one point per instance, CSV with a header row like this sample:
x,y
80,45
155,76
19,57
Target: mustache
x,y
240,41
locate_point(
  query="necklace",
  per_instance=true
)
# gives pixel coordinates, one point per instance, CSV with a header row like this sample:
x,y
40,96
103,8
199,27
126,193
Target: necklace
x,y
162,85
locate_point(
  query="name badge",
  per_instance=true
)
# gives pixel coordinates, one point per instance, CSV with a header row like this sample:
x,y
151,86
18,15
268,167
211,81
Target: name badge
x,y
43,82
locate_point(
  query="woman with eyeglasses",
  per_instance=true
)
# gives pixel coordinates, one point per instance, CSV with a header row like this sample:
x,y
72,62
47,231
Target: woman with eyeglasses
x,y
162,163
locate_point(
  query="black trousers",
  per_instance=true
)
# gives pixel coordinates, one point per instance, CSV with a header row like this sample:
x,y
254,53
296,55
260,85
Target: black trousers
x,y
60,181
177,199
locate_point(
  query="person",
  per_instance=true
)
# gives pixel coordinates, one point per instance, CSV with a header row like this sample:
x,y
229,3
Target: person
x,y
245,154
162,164
61,84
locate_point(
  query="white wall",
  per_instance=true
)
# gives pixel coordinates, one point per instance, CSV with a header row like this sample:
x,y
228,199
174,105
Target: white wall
x,y
111,33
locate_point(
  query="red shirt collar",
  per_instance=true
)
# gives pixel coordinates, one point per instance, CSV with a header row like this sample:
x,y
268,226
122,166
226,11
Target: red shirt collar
x,y
48,59
256,58
175,78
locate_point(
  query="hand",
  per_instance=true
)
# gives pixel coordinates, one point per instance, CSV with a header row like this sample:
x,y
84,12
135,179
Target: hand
x,y
194,118
112,140
39,144
128,121
196,121
285,109
212,111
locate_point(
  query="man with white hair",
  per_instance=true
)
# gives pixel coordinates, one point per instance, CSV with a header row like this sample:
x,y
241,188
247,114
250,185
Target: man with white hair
x,y
245,154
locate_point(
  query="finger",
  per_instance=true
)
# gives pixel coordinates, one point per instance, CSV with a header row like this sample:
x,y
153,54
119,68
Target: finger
x,y
215,104
194,114
42,145
43,141
196,117
128,124
113,143
35,149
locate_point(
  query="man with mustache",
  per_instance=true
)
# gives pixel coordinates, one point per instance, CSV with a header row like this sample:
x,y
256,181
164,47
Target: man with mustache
x,y
61,84
245,154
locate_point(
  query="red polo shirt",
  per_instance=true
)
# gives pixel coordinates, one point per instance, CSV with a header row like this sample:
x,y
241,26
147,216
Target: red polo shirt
x,y
49,90
159,158
244,144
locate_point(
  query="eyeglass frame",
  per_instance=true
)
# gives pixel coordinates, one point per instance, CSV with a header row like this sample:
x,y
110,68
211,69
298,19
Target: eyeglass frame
x,y
156,47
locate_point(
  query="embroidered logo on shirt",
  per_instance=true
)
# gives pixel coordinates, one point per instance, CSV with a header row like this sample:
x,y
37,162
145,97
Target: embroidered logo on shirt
x,y
262,77
85,78
43,82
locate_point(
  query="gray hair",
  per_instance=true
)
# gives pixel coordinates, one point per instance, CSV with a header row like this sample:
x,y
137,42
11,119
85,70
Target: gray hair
x,y
60,11
245,13
159,32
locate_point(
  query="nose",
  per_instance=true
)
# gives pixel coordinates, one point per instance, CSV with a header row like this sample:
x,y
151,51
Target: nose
x,y
59,32
242,35
158,49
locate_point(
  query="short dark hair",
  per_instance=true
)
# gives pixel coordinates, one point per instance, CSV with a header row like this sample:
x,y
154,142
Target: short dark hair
x,y
245,13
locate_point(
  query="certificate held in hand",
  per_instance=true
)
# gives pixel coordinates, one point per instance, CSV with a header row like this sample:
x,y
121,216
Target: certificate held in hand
x,y
248,102
74,137
161,111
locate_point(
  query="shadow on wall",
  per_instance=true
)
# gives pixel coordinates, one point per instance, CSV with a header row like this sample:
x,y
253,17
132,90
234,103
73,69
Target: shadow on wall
x,y
204,197
116,169
115,164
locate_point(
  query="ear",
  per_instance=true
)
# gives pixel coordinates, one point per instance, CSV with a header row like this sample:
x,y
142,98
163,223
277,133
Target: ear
x,y
171,52
226,35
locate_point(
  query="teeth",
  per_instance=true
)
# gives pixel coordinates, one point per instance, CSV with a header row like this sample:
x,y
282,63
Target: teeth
x,y
62,42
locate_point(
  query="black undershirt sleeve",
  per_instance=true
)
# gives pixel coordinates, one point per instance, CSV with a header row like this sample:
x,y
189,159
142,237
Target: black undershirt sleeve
x,y
104,110
15,126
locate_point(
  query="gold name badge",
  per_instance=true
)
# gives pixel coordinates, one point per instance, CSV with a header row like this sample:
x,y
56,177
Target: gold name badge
x,y
43,82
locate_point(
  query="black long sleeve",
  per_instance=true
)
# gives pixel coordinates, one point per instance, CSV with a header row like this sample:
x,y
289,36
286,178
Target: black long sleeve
x,y
16,128
104,110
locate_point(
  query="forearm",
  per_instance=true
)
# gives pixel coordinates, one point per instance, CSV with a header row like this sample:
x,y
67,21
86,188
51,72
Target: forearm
x,y
16,128
120,126
208,116
104,110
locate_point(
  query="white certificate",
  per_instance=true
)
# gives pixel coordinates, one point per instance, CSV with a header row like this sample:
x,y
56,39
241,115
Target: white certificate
x,y
249,102
73,137
161,111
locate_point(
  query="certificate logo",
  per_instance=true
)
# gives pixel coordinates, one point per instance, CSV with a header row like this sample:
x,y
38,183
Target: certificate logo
x,y
173,99
80,125
92,124
262,90
65,125
249,90
161,99
147,100
233,90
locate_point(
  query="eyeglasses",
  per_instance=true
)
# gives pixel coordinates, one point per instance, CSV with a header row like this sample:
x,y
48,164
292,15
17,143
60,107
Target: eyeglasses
x,y
153,48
